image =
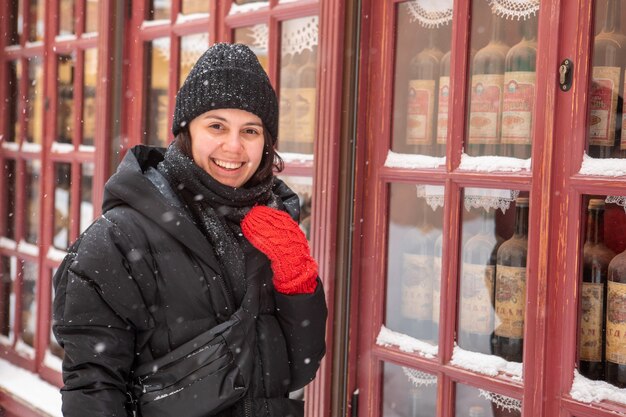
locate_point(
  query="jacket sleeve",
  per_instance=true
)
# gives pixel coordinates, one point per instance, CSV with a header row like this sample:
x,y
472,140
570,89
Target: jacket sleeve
x,y
97,335
302,318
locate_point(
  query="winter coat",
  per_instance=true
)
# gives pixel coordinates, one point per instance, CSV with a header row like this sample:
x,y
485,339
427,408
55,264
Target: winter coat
x,y
143,279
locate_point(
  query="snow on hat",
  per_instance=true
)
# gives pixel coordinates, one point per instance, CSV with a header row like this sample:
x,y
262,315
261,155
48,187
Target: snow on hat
x,y
227,76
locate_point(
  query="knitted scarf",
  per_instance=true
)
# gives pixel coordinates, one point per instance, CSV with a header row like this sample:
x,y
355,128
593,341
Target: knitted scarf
x,y
217,209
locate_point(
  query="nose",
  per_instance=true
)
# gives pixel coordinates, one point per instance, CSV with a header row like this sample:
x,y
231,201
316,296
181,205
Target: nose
x,y
232,142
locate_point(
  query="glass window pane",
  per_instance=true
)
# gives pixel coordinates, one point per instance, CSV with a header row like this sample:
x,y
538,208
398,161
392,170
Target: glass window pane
x,y
13,90
29,306
471,402
191,47
31,219
256,37
67,9
421,77
502,89
605,136
86,196
159,9
7,295
89,96
15,22
408,392
91,15
414,253
303,186
298,85
157,100
34,103
195,6
62,198
36,19
601,349
65,103
9,197
488,219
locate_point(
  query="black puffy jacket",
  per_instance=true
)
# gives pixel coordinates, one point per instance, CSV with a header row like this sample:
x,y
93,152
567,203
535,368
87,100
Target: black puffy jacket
x,y
143,280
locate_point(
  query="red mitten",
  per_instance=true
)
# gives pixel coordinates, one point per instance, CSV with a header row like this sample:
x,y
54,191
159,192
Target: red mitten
x,y
279,237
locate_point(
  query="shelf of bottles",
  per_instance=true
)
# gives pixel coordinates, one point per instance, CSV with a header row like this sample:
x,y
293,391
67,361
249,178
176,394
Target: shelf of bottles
x,y
605,118
602,318
501,90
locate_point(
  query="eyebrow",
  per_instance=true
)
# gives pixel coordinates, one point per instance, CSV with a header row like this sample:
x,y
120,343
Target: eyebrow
x,y
210,116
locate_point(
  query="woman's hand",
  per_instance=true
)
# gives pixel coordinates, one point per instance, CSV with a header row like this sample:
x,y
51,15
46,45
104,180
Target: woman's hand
x,y
279,237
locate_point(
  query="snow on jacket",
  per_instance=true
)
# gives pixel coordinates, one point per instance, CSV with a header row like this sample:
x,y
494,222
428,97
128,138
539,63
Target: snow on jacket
x,y
143,279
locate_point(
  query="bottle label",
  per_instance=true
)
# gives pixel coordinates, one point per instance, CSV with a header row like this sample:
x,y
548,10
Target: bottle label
x,y
442,109
590,343
517,107
510,301
603,105
304,115
286,118
420,107
616,323
476,310
485,108
417,287
436,288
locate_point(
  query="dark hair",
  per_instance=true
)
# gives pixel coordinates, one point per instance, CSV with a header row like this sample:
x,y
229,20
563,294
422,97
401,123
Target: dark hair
x,y
270,161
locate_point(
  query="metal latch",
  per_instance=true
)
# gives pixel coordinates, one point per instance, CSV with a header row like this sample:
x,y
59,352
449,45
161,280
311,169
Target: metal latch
x,y
565,74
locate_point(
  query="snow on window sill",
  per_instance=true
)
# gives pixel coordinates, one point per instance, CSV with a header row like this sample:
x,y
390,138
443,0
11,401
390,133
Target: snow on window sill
x,y
485,364
31,147
182,18
243,8
405,343
30,389
7,243
296,157
55,254
587,391
11,146
607,167
53,362
58,147
493,163
28,248
404,160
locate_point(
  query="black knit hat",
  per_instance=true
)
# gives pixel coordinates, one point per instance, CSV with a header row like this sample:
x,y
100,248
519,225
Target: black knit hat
x,y
227,76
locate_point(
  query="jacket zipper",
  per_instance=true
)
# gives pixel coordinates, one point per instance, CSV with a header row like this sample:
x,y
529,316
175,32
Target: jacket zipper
x,y
247,406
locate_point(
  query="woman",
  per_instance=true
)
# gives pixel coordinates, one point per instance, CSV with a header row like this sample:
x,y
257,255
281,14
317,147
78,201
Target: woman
x,y
184,235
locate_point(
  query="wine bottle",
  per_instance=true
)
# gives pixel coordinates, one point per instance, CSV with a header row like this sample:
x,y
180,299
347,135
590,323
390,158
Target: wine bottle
x,y
421,101
286,96
615,364
443,104
605,98
486,94
596,258
511,288
305,101
519,93
477,284
417,282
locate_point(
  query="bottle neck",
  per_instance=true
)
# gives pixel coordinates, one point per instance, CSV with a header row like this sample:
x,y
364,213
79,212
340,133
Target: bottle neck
x,y
595,226
529,29
487,222
497,29
612,22
521,221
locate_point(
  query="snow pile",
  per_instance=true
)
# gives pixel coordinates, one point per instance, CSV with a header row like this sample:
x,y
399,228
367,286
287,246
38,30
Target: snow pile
x,y
403,160
249,7
587,391
493,163
405,343
296,157
608,167
30,389
485,364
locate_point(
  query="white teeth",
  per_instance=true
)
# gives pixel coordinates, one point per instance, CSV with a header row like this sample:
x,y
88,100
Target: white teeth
x,y
228,165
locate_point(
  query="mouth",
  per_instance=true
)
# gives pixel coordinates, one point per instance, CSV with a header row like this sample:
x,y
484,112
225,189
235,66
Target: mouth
x,y
227,165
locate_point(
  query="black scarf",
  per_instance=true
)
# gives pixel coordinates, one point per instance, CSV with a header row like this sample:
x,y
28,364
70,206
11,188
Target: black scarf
x,y
217,209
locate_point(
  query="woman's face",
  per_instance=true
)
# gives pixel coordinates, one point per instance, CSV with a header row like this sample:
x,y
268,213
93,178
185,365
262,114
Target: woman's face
x,y
227,144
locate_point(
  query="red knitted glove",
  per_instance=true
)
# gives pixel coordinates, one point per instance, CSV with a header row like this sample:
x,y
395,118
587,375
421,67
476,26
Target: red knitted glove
x,y
274,233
